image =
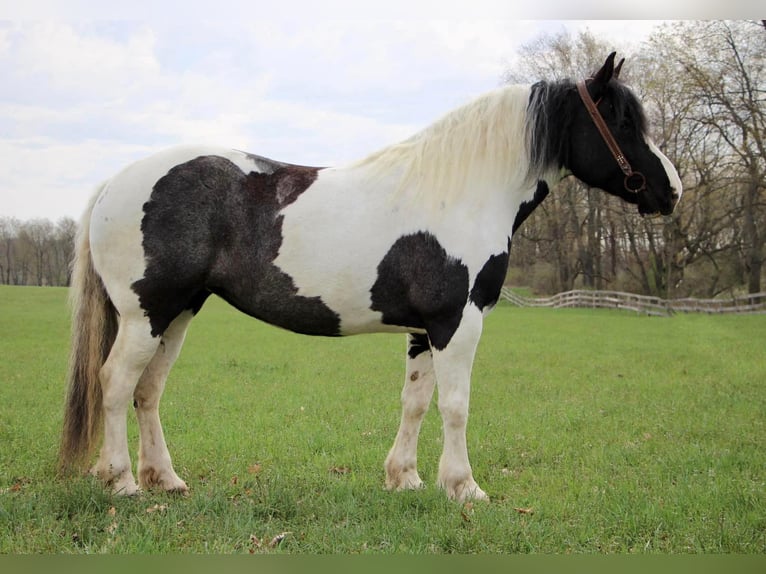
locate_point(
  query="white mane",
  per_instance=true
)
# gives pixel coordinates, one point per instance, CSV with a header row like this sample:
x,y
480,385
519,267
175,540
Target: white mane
x,y
474,149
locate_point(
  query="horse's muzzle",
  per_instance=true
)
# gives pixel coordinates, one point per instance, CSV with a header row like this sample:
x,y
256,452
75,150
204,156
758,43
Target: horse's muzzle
x,y
651,204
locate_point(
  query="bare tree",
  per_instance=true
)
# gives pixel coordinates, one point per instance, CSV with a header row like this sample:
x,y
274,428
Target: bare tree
x,y
36,237
9,230
63,242
719,71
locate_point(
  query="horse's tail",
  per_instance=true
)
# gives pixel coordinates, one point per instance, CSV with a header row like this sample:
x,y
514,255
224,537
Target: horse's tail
x,y
94,328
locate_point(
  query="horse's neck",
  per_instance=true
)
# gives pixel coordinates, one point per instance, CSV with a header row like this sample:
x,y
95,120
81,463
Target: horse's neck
x,y
484,209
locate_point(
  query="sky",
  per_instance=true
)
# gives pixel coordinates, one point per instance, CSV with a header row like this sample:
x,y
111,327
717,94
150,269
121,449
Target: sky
x,y
83,96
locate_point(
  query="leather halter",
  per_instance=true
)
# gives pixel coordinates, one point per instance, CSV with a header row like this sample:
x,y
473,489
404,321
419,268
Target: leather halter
x,y
611,143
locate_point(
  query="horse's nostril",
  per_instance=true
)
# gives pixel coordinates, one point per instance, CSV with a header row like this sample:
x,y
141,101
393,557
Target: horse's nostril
x,y
674,195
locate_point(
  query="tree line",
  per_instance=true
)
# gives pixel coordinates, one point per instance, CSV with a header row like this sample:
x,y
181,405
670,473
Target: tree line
x,y
36,252
703,85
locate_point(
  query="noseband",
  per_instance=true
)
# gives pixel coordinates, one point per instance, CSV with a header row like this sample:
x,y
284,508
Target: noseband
x,y
635,177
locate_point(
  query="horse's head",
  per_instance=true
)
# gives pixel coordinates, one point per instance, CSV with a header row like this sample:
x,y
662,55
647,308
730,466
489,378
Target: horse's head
x,y
609,147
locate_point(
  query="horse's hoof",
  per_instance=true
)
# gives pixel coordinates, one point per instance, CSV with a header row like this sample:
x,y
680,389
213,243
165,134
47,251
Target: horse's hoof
x,y
464,491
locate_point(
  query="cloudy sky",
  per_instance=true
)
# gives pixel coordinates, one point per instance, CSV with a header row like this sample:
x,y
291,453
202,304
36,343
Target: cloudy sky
x,y
80,98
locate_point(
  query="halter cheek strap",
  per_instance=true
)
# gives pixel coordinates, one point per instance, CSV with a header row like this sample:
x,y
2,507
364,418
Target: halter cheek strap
x,y
631,177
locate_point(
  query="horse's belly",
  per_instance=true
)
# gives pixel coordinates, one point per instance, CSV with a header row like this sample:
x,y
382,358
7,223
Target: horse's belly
x,y
346,292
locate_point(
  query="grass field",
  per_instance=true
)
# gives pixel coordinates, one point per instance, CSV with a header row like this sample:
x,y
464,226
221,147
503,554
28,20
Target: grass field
x,y
592,432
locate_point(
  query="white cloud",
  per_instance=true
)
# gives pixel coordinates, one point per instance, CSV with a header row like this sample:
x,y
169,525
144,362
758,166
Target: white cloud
x,y
5,41
84,65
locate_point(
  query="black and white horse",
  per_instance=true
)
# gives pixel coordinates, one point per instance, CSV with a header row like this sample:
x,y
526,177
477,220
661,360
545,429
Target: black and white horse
x,y
414,239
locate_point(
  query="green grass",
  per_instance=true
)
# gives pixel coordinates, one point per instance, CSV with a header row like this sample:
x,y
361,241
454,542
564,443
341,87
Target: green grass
x,y
623,434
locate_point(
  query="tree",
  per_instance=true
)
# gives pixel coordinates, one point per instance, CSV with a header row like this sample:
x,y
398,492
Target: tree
x,y
719,73
63,250
36,238
9,229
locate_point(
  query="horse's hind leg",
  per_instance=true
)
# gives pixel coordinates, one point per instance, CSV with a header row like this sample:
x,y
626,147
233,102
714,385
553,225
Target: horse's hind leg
x,y
155,468
401,463
133,348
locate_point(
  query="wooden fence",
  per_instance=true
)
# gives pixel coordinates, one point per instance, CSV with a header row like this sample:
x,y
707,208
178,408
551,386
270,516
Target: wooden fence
x,y
755,303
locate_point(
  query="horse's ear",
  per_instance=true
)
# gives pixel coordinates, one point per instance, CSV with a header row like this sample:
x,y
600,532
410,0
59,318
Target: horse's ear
x,y
618,68
601,78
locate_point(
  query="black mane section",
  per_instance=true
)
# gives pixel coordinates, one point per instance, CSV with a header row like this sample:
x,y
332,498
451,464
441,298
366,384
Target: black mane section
x,y
549,116
627,109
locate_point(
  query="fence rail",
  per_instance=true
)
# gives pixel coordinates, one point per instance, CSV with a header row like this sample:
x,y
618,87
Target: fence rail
x,y
754,303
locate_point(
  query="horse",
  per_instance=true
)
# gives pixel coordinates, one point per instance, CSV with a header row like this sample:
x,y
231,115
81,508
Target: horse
x,y
413,239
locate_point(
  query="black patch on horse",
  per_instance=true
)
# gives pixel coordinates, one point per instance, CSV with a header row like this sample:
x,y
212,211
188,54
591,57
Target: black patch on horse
x,y
489,281
417,345
210,228
420,286
527,207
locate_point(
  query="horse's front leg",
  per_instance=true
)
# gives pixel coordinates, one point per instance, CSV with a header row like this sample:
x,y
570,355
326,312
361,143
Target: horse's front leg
x,y
452,366
402,460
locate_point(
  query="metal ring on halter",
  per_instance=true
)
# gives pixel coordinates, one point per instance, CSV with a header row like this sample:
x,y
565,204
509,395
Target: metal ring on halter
x,y
641,186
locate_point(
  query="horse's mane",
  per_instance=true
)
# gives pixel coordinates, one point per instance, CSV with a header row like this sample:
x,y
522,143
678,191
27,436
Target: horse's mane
x,y
474,148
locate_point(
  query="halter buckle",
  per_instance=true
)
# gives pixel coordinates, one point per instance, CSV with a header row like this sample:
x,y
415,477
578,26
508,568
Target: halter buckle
x,y
641,182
